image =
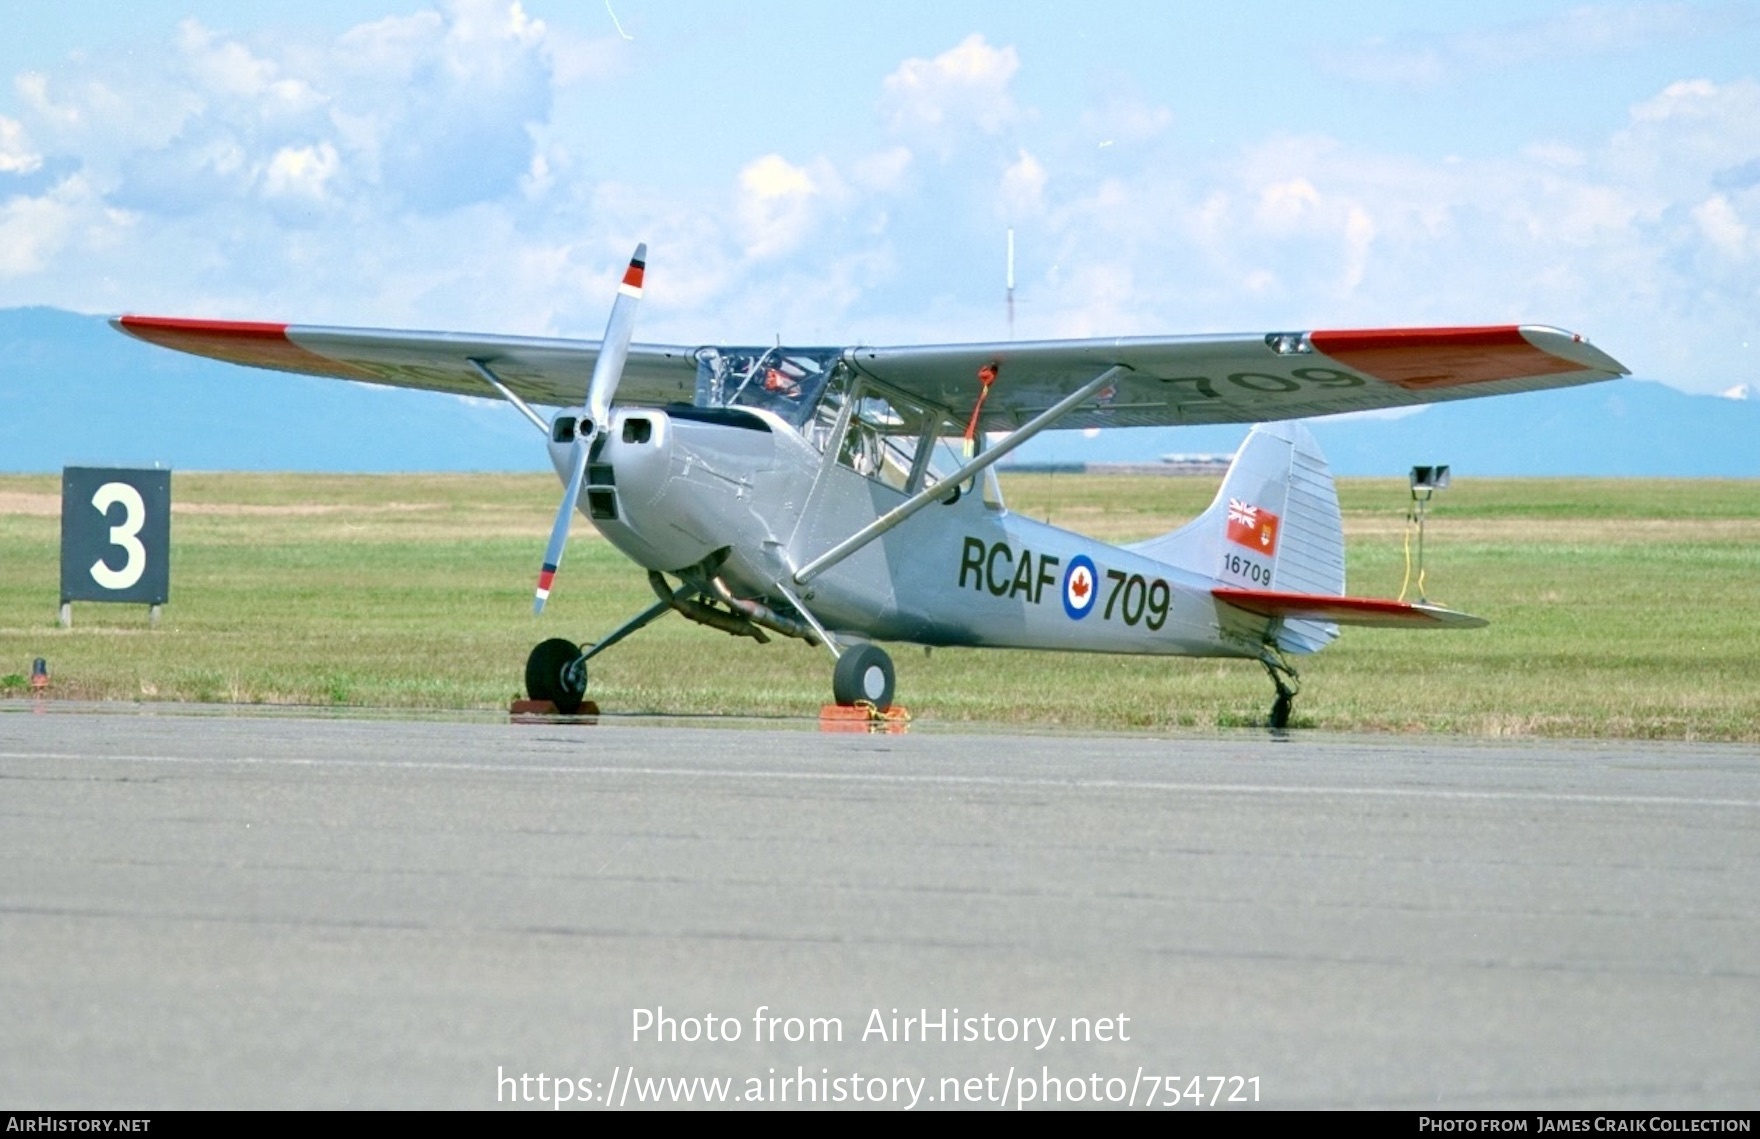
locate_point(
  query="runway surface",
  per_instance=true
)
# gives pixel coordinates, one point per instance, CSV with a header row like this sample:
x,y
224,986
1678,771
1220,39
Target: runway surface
x,y
214,910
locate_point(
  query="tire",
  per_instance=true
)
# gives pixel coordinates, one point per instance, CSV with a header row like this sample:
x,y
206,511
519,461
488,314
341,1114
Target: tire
x,y
556,672
863,673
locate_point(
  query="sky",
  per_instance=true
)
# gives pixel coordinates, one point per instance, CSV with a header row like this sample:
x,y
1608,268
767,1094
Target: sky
x,y
805,172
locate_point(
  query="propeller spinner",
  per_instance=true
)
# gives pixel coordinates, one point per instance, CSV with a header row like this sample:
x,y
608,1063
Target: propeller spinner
x,y
595,414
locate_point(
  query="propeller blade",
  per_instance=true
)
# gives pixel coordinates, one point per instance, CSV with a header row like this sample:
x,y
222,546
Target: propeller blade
x,y
577,473
614,350
596,414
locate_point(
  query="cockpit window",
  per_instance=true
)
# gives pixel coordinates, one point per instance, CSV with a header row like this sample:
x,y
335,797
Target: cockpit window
x,y
887,435
787,381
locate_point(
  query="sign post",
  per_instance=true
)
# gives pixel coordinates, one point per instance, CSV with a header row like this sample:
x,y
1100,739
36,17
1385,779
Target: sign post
x,y
115,538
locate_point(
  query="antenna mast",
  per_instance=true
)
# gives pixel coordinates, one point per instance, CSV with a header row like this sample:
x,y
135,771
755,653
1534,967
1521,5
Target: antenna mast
x,y
1011,282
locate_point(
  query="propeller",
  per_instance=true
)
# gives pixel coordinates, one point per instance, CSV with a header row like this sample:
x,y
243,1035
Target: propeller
x,y
595,413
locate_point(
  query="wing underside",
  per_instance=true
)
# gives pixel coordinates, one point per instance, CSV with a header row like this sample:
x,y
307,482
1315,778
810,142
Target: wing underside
x,y
540,370
1167,381
1245,378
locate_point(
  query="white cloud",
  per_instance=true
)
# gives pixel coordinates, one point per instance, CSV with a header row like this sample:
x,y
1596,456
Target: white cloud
x,y
1023,188
436,107
1722,226
432,111
412,172
1646,240
1359,235
301,172
36,233
104,114
33,88
963,87
884,172
1686,135
1428,59
1098,297
226,68
1689,98
31,231
1126,120
1555,154
1285,206
576,60
774,205
16,155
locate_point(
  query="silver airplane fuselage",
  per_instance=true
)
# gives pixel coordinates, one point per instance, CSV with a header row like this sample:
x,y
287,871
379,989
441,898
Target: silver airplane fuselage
x,y
744,489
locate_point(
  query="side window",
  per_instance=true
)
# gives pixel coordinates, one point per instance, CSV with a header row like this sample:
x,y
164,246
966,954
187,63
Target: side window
x,y
884,437
949,456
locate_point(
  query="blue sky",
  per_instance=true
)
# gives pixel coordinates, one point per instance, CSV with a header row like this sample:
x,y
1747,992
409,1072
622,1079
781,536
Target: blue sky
x,y
805,172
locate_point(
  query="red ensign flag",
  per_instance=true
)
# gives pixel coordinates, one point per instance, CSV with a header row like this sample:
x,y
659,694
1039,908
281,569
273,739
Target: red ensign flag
x,y
1252,527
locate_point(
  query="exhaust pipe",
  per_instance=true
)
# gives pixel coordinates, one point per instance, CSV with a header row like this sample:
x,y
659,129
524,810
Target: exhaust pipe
x,y
705,614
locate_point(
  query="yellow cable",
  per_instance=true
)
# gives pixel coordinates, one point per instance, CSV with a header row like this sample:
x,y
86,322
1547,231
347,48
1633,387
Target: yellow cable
x,y
1408,578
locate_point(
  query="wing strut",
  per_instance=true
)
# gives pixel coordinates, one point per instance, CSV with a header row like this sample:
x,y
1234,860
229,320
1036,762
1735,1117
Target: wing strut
x,y
525,408
947,485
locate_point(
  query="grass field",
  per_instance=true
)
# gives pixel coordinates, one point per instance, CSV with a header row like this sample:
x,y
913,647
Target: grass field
x,y
1619,608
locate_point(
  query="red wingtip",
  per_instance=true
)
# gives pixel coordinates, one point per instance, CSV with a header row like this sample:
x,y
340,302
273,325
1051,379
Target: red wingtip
x,y
1422,358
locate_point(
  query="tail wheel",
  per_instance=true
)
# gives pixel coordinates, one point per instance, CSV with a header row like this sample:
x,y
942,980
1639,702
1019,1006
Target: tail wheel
x,y
556,672
1280,709
1284,677
863,673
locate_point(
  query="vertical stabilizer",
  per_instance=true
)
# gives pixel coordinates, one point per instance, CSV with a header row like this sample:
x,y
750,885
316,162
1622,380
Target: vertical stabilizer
x,y
1274,526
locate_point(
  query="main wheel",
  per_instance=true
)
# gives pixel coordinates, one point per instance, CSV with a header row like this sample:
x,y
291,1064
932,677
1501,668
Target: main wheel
x,y
556,672
863,673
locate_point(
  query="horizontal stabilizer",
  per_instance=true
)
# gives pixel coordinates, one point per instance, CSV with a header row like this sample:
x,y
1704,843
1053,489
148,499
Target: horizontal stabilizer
x,y
1369,611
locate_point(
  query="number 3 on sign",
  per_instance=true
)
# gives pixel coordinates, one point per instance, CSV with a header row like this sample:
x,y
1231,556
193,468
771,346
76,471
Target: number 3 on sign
x,y
125,535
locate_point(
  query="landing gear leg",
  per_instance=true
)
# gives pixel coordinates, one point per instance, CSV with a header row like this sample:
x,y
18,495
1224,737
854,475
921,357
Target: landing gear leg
x,y
1283,675
557,669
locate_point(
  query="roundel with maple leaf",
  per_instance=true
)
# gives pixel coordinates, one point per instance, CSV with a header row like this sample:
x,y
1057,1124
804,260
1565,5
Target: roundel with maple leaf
x,y
1079,587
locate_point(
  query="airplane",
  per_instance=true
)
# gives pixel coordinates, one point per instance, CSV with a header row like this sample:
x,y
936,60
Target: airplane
x,y
848,495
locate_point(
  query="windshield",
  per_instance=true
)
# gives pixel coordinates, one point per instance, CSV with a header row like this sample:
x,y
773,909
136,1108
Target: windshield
x,y
787,381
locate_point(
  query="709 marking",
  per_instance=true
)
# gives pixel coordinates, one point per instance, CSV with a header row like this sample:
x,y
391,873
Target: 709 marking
x,y
1269,382
1138,593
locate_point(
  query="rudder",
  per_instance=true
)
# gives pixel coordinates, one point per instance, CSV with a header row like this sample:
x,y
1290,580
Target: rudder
x,y
1274,525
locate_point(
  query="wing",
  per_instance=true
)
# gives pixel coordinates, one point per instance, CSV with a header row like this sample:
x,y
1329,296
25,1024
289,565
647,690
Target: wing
x,y
542,371
1370,611
1171,380
1241,378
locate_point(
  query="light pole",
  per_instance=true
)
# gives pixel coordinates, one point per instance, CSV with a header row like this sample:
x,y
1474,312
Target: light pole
x,y
1426,481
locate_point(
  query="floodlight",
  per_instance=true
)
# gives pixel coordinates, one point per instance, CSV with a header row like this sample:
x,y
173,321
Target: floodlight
x,y
1430,478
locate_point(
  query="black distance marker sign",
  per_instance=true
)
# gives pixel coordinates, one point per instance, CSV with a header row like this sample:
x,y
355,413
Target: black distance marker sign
x,y
115,535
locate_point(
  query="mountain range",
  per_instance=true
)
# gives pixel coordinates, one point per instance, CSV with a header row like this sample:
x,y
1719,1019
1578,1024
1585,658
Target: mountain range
x,y
73,392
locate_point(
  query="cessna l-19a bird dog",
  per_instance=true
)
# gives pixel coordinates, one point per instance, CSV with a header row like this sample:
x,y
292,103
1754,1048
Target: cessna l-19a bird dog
x,y
848,495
